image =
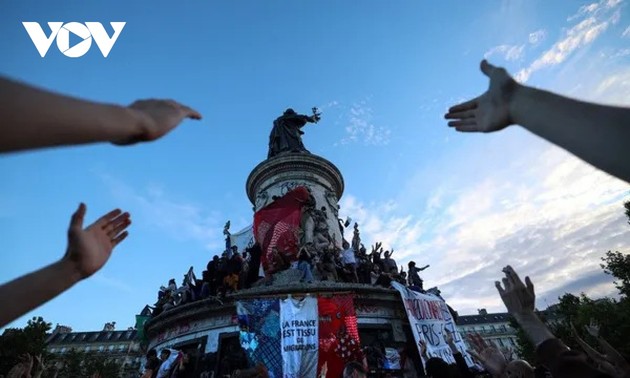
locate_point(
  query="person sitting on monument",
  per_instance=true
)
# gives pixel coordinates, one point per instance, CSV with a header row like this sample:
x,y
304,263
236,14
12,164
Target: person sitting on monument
x,y
278,261
379,278
349,262
415,282
305,264
222,272
234,266
364,267
242,278
212,268
389,264
327,268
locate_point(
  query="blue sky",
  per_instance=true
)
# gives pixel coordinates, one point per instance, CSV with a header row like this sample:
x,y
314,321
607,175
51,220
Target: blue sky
x,y
383,74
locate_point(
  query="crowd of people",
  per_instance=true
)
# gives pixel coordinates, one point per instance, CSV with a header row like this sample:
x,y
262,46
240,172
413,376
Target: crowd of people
x,y
235,270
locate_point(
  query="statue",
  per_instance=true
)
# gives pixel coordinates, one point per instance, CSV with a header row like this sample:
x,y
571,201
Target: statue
x,y
356,238
286,135
321,236
228,240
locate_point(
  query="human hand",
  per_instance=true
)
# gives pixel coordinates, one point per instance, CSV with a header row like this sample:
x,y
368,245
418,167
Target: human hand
x,y
156,118
448,337
490,111
489,355
593,328
89,249
518,298
422,346
39,363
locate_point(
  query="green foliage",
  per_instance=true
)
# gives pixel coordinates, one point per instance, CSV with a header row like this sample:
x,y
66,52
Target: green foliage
x,y
85,365
612,316
617,265
15,342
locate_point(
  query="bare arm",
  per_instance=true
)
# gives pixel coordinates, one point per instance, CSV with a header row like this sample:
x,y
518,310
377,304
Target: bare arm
x,y
519,299
34,118
88,250
590,351
598,134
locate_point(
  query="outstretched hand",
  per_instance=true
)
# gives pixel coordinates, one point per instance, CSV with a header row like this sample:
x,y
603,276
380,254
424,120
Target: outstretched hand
x,y
157,118
518,298
490,111
488,355
90,248
593,328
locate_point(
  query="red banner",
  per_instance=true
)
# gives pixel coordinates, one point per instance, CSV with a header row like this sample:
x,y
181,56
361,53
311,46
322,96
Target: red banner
x,y
277,225
338,335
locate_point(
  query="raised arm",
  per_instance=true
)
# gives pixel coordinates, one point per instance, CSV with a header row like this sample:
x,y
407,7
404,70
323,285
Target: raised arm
x,y
88,250
33,118
598,134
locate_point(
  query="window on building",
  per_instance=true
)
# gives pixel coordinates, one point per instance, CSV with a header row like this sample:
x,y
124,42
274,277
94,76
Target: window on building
x,y
87,348
501,343
110,348
53,350
63,350
101,348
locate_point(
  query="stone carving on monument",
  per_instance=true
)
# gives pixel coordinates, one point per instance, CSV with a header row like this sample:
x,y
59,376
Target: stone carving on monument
x,y
356,238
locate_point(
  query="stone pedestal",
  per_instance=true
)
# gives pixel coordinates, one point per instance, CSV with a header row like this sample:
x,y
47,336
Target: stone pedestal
x,y
276,176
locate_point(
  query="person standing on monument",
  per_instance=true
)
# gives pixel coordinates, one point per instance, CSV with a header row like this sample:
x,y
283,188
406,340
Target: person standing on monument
x,y
286,135
414,277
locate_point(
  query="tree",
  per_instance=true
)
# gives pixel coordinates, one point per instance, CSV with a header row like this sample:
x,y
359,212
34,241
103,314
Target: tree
x,y
617,265
15,342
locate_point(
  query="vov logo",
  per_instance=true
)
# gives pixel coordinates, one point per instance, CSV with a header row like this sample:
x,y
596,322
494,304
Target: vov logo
x,y
61,32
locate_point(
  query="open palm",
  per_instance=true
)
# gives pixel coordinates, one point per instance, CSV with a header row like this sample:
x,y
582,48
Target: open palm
x,y
90,248
490,111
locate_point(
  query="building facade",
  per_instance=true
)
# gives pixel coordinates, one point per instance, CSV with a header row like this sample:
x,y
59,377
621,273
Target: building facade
x,y
492,327
121,347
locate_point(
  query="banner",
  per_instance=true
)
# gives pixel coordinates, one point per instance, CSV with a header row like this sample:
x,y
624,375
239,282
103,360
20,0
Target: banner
x,y
429,319
243,239
300,323
307,338
338,335
277,225
259,323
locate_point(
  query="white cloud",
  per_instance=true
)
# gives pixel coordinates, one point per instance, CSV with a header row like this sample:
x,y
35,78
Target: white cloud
x,y
361,129
592,20
536,37
507,52
626,33
178,219
552,221
615,88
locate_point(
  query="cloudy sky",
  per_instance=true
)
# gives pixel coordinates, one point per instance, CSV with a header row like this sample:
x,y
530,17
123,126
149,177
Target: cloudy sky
x,y
383,75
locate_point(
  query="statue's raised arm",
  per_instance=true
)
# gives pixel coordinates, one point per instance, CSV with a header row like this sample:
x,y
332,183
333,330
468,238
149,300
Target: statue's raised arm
x,y
286,135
